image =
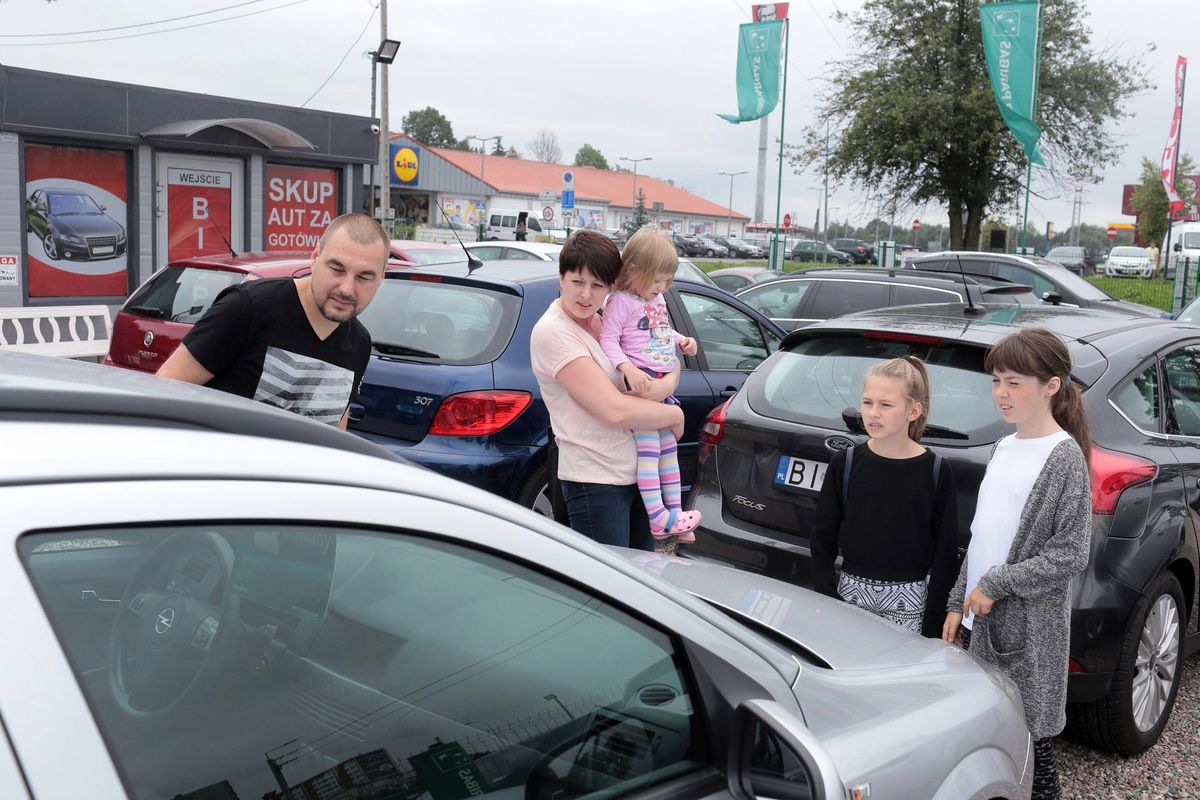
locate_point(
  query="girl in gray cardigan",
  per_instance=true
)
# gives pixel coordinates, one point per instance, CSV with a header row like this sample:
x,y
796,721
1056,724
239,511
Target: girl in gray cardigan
x,y
1029,537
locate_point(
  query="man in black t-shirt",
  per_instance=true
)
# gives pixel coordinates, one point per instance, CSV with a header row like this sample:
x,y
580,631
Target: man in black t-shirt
x,y
293,342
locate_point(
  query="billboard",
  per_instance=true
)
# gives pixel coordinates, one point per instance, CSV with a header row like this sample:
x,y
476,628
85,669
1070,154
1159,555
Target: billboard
x,y
462,209
76,221
301,202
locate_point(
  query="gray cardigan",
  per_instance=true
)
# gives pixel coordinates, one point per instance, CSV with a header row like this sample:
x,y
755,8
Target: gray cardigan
x,y
1027,633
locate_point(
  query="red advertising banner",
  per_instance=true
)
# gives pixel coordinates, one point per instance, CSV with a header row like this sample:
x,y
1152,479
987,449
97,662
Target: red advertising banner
x,y
301,202
769,11
1171,151
76,221
198,212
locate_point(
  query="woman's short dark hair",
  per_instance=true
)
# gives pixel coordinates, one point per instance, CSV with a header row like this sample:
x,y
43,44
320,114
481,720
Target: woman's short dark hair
x,y
593,251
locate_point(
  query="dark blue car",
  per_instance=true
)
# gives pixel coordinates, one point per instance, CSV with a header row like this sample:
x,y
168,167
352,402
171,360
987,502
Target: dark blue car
x,y
450,385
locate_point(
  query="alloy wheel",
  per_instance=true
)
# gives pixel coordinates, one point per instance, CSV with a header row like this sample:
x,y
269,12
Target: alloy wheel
x,y
50,246
1157,663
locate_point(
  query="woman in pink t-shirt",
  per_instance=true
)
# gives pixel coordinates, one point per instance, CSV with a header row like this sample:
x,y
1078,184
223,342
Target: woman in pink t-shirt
x,y
638,339
591,414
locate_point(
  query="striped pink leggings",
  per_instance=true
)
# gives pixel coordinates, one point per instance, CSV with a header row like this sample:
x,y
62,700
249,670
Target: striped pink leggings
x,y
658,476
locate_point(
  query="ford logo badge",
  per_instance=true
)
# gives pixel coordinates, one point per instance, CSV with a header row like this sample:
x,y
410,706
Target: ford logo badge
x,y
836,444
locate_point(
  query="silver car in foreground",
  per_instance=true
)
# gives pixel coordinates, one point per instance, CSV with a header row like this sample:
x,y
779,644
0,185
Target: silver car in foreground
x,y
208,598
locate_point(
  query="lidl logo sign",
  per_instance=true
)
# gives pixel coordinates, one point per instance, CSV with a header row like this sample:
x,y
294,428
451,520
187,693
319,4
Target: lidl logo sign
x,y
406,164
1006,24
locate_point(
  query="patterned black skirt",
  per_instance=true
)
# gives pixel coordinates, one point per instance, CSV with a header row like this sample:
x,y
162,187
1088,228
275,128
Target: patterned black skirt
x,y
900,602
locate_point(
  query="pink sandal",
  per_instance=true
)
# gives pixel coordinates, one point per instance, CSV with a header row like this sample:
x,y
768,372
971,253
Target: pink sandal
x,y
685,523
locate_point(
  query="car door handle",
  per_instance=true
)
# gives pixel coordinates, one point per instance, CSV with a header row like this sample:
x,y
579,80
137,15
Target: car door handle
x,y
357,410
89,598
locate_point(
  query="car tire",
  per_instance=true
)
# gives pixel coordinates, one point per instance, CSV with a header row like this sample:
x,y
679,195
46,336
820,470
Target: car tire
x,y
709,253
535,492
1138,706
50,246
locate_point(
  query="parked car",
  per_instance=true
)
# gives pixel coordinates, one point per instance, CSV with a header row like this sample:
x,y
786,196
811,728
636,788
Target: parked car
x,y
428,252
283,614
71,225
450,386
515,251
906,252
686,244
710,249
764,453
739,248
812,250
858,250
461,227
160,312
1181,244
802,298
1055,284
687,271
1079,260
734,279
1132,262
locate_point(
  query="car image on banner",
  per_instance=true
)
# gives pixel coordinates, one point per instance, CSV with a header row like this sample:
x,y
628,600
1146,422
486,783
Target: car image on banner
x,y
75,222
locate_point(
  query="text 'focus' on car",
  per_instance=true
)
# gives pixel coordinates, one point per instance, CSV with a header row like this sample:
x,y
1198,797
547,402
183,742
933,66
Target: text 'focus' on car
x,y
259,606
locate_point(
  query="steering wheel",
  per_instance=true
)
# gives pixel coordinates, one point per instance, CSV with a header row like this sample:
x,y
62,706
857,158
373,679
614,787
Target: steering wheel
x,y
166,642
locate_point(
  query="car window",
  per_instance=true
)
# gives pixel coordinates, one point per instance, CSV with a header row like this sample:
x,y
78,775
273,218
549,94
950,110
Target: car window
x,y
510,221
514,254
449,323
820,377
1182,371
488,253
325,662
778,299
903,295
834,298
181,294
729,338
495,223
1027,277
730,283
1138,398
1074,284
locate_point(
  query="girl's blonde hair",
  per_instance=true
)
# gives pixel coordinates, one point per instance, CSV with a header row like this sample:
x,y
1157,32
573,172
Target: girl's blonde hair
x,y
648,254
910,371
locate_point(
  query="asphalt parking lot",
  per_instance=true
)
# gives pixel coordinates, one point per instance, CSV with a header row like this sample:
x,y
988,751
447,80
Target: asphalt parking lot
x,y
1168,771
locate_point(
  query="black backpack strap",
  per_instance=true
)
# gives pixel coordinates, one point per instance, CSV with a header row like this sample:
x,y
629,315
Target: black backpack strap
x,y
849,451
937,470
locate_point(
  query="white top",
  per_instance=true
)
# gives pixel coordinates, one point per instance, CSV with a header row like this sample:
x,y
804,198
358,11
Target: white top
x,y
1006,485
589,449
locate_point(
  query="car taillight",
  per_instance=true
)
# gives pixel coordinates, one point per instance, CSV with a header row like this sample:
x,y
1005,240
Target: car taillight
x,y
478,413
1074,666
1113,473
713,428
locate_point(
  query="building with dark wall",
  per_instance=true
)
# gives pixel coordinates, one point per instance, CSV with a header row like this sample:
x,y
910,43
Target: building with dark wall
x,y
103,183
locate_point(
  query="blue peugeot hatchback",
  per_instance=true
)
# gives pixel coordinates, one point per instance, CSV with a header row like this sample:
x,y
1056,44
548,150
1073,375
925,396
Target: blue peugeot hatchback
x,y
450,385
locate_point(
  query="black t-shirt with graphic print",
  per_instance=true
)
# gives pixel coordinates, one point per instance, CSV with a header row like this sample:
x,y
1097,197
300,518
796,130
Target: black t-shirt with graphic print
x,y
257,342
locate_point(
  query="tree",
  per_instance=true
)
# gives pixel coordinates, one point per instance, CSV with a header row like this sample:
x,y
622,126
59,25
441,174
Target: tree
x,y
512,152
545,147
589,156
912,114
1150,198
640,215
498,148
430,127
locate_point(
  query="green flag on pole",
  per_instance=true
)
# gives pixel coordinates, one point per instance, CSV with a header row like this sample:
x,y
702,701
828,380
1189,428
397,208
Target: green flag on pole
x,y
758,59
1010,44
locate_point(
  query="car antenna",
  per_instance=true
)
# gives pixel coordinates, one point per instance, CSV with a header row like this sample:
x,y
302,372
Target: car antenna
x,y
473,263
221,233
971,309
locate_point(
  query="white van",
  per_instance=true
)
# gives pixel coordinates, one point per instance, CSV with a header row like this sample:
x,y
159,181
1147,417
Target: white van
x,y
1185,243
503,222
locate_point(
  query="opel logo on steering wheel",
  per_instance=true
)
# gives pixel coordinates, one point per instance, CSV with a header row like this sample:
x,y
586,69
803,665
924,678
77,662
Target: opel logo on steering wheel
x,y
166,618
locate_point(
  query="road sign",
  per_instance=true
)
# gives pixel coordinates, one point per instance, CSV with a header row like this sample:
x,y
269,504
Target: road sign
x,y
568,190
787,220
547,195
1111,232
916,224
548,213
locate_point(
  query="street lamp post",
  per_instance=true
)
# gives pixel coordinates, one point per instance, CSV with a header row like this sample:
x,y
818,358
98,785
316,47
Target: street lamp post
x,y
729,209
554,697
384,54
634,161
483,140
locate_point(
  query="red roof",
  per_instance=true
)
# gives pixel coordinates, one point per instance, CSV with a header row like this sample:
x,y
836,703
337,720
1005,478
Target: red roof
x,y
518,176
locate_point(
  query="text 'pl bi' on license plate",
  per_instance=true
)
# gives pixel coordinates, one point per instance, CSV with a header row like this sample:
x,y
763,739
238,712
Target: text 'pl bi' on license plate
x,y
800,473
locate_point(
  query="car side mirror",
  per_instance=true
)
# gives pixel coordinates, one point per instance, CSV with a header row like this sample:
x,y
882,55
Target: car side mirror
x,y
1177,247
777,756
103,209
1053,298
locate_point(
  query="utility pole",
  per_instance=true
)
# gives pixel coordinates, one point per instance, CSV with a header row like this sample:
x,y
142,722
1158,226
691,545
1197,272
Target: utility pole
x,y
385,171
1077,211
729,210
760,184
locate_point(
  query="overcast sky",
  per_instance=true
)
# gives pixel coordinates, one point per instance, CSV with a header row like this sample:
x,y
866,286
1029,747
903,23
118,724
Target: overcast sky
x,y
633,78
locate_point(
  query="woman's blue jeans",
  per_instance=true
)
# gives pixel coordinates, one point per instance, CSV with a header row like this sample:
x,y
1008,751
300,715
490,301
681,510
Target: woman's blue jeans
x,y
608,514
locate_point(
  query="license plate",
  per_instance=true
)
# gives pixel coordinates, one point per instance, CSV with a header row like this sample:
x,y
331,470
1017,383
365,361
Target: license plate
x,y
800,473
102,251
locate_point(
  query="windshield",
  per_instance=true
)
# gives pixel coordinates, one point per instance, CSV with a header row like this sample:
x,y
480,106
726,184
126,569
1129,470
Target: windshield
x,y
1081,287
449,323
817,379
427,257
1191,240
61,204
1129,252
